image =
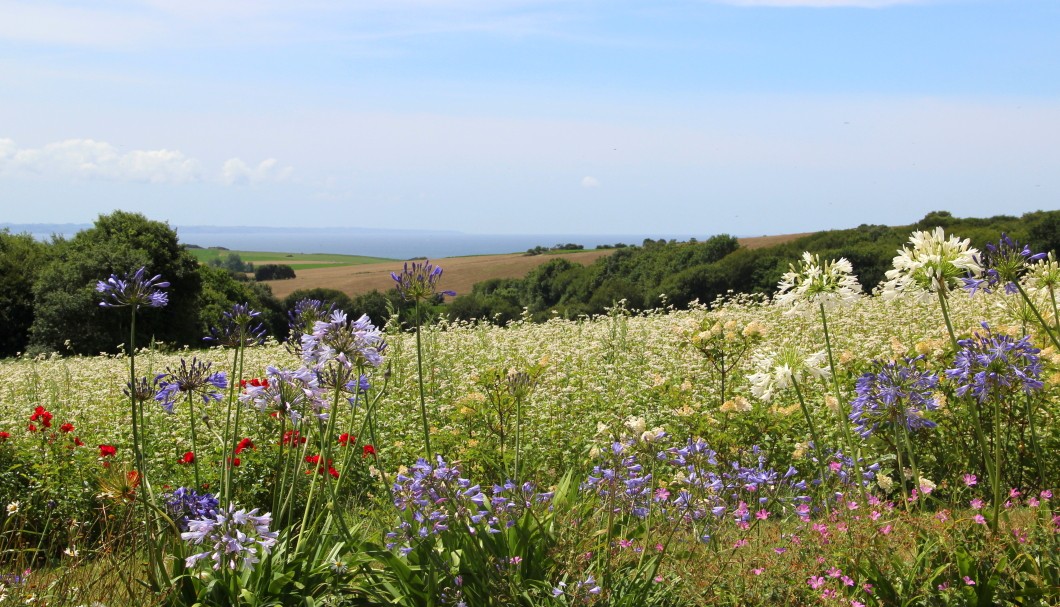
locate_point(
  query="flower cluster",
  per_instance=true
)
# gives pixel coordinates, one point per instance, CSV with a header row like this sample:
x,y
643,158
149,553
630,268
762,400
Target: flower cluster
x,y
990,363
1003,265
195,378
42,416
814,283
133,291
303,317
419,282
934,264
238,538
778,371
239,328
185,504
351,344
434,497
283,392
894,394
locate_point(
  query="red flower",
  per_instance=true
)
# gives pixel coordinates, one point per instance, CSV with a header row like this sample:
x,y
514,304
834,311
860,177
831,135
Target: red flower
x,y
368,450
315,460
243,445
67,427
188,458
345,439
312,459
234,461
292,436
107,450
78,442
32,428
4,436
43,416
333,472
257,383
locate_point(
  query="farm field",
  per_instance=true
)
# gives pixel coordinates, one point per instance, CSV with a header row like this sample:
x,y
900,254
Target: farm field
x,y
823,447
461,273
299,261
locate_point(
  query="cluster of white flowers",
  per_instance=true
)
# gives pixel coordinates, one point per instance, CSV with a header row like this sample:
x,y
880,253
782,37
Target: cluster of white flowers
x,y
814,283
777,371
933,264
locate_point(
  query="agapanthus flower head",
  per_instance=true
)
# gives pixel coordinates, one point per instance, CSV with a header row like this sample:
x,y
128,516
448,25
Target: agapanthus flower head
x,y
185,504
189,379
1004,264
776,371
932,263
813,283
894,394
133,291
303,317
990,364
419,281
142,390
355,343
239,327
1045,274
294,393
238,538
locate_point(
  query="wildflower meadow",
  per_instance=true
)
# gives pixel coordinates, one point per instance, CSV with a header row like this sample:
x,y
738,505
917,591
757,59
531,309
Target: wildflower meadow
x,y
834,444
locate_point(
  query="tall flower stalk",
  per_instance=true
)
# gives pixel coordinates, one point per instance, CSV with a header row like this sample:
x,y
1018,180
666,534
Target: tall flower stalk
x,y
418,284
190,380
990,368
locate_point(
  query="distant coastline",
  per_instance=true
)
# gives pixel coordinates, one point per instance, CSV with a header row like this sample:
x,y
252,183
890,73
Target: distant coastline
x,y
393,244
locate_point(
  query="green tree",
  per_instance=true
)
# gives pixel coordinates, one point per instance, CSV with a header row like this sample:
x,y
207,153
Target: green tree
x,y
67,313
21,258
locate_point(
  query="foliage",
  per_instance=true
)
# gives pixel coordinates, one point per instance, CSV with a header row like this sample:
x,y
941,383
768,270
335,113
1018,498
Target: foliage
x,y
21,258
272,271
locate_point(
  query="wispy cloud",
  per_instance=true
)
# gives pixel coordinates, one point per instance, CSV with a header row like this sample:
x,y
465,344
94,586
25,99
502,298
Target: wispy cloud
x,y
91,159
590,182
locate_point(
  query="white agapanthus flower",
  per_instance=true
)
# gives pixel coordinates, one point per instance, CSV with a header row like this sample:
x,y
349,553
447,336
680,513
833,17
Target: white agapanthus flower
x,y
813,283
777,371
932,264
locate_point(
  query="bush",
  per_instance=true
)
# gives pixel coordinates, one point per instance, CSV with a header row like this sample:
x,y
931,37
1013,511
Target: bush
x,y
273,271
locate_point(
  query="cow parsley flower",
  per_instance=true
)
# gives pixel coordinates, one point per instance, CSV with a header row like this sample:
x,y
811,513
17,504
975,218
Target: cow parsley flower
x,y
931,264
133,291
237,538
814,283
992,363
894,394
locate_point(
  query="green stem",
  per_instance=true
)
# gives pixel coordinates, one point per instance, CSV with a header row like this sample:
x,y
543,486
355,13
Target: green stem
x,y
1038,316
841,408
423,397
901,467
518,435
194,442
997,464
912,463
813,434
1034,440
946,316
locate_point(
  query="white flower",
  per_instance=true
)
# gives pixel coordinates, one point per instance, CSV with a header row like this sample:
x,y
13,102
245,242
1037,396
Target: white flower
x,y
885,482
813,283
636,425
13,507
934,264
778,371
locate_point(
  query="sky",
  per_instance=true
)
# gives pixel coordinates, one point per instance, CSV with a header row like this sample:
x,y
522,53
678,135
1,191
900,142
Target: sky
x,y
744,117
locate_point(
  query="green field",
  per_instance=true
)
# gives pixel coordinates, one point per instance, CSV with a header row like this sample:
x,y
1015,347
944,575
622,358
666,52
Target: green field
x,y
300,261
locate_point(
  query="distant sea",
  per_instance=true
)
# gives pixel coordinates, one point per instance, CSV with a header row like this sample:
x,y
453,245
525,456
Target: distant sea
x,y
393,244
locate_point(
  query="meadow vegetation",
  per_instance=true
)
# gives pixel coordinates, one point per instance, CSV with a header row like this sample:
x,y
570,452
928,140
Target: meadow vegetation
x,y
817,446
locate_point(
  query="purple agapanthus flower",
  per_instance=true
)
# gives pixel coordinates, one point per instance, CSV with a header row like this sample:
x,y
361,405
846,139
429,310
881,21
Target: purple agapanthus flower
x,y
133,291
350,343
1003,264
238,327
303,317
238,538
419,282
294,393
990,364
195,378
185,504
895,393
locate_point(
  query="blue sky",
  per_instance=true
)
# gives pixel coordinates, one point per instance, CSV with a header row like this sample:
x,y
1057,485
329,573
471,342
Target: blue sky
x,y
529,116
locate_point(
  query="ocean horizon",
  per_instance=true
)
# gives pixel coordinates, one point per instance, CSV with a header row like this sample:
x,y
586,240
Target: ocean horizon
x,y
392,244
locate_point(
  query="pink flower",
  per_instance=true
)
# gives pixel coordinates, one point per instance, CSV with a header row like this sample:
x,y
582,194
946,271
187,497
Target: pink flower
x,y
969,581
886,529
970,480
1014,493
815,581
943,516
758,571
875,515
847,581
977,503
762,514
1046,494
835,572
979,519
852,505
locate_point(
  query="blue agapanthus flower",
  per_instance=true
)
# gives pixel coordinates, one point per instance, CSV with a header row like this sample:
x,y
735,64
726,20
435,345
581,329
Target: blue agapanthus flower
x,y
352,344
303,317
237,538
239,327
894,394
133,291
195,379
185,504
990,364
1003,264
419,281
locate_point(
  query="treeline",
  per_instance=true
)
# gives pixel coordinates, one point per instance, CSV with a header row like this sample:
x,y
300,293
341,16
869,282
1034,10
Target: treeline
x,y
49,303
678,273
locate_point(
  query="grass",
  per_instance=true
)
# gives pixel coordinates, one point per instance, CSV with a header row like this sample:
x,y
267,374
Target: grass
x,y
300,261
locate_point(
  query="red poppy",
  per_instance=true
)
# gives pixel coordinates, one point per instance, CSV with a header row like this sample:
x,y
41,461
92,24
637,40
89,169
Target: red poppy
x,y
368,450
43,416
235,462
67,427
32,428
333,472
188,458
292,437
257,383
4,436
78,442
107,450
243,445
312,459
345,439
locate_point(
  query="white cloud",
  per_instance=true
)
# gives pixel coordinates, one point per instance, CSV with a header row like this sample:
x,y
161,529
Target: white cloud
x,y
90,159
237,172
590,182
